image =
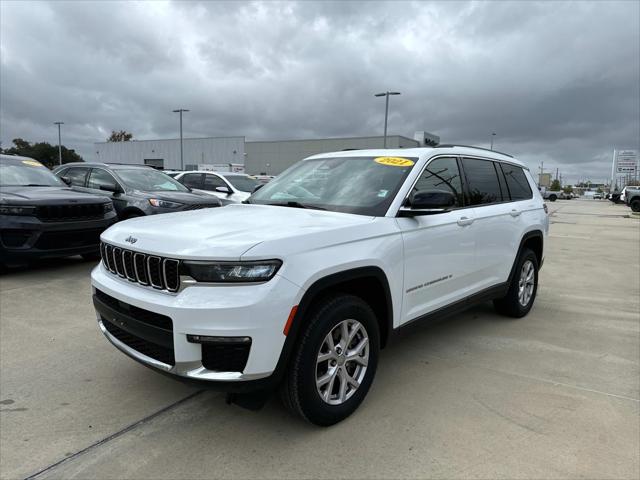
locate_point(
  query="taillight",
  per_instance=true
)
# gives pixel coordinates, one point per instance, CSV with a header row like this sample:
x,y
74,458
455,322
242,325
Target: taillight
x,y
546,210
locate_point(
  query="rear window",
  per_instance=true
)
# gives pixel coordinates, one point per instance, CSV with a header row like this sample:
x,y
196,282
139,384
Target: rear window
x,y
517,182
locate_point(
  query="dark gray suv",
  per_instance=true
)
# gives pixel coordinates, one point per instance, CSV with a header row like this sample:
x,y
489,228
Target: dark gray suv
x,y
136,190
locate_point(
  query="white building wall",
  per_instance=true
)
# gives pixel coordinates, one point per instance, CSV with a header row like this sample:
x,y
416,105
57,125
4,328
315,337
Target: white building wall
x,y
196,151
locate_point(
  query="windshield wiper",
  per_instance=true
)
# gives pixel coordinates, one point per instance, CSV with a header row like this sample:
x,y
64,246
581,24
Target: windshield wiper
x,y
296,205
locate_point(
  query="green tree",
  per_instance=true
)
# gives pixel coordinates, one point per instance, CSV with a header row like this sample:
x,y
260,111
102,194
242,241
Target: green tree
x,y
568,189
555,185
45,153
119,136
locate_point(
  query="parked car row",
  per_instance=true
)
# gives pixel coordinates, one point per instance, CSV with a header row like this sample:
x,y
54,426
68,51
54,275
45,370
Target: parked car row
x,y
46,214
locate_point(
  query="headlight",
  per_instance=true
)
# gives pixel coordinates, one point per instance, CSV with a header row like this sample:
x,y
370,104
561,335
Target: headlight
x,y
156,202
218,272
108,207
16,210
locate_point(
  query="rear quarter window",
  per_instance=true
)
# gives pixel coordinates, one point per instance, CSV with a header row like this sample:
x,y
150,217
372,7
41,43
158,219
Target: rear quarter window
x,y
517,182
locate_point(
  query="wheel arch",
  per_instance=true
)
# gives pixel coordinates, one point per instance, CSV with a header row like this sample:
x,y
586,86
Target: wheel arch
x,y
533,240
369,283
126,212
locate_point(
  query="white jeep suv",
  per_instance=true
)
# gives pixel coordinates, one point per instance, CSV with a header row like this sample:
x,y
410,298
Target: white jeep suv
x,y
301,285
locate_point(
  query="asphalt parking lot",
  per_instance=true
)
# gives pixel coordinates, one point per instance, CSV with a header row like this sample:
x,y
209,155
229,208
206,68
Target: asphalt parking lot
x,y
553,395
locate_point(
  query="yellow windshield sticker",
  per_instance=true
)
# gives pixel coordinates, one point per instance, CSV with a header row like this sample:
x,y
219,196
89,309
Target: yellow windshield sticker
x,y
394,161
33,163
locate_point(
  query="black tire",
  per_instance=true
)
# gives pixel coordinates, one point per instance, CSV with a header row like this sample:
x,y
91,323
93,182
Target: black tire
x,y
298,390
553,198
510,304
635,205
91,257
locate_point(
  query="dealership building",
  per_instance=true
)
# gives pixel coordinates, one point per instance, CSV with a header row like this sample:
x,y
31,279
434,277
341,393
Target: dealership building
x,y
257,157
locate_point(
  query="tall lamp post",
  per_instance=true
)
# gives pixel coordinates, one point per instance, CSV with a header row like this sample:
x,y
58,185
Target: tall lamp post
x,y
492,135
386,111
59,142
180,110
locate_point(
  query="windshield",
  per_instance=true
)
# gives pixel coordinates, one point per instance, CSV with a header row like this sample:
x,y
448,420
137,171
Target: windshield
x,y
149,180
26,173
244,183
361,185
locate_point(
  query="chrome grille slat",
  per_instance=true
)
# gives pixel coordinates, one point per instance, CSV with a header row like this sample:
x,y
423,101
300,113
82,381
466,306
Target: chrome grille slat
x,y
141,274
127,260
147,270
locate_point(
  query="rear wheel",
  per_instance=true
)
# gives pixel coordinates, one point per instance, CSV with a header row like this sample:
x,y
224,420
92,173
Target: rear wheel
x,y
335,362
524,286
635,205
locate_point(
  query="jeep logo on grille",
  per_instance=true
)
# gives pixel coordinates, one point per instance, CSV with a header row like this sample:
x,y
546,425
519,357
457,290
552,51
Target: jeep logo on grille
x,y
131,239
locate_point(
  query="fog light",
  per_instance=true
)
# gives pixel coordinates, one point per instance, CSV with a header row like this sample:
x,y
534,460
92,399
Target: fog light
x,y
219,340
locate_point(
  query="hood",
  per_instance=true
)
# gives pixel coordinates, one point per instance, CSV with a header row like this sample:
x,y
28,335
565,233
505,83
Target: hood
x,y
188,198
227,233
46,196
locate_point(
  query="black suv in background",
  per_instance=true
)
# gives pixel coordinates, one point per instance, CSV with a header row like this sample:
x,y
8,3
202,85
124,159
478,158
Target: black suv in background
x,y
135,190
40,217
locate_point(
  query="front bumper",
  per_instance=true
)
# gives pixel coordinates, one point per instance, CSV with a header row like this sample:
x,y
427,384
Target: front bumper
x,y
24,239
256,311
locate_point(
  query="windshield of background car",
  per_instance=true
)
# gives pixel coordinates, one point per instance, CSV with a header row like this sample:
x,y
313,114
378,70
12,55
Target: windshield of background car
x,y
149,180
25,172
360,185
242,183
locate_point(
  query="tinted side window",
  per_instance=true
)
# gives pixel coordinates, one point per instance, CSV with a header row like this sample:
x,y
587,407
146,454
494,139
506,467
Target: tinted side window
x,y
213,181
441,174
517,182
192,180
503,184
99,177
77,175
483,181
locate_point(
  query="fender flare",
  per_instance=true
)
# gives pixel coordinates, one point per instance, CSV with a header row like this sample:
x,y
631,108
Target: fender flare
x,y
527,236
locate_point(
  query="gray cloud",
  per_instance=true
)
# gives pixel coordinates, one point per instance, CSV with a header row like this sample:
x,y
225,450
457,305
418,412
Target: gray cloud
x,y
558,82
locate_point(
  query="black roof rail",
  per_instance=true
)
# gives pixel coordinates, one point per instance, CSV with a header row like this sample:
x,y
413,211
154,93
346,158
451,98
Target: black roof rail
x,y
450,145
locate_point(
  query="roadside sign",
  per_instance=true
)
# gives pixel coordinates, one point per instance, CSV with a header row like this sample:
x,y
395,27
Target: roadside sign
x,y
626,161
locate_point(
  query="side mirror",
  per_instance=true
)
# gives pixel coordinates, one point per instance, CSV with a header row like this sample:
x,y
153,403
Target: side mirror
x,y
226,190
427,203
114,188
66,180
258,187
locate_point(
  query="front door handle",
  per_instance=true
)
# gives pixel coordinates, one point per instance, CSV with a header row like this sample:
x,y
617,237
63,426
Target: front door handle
x,y
463,221
515,213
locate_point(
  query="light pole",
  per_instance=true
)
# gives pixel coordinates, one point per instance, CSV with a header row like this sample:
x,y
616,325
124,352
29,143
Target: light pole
x,y
386,111
59,142
492,135
180,110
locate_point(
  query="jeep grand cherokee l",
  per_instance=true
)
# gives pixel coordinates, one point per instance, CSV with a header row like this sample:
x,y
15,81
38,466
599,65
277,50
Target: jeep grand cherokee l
x,y
40,217
302,285
136,190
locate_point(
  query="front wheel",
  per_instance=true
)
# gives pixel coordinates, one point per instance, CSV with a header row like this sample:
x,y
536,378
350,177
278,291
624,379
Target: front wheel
x,y
524,286
553,198
335,362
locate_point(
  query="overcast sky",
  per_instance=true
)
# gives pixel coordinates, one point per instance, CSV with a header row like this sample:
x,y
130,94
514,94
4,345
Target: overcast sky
x,y
557,82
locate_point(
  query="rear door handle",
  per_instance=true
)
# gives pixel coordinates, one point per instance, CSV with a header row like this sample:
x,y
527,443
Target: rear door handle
x,y
515,213
463,221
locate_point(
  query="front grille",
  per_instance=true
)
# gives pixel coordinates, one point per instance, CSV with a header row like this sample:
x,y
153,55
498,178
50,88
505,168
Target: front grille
x,y
158,352
68,239
225,358
159,272
198,206
69,213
